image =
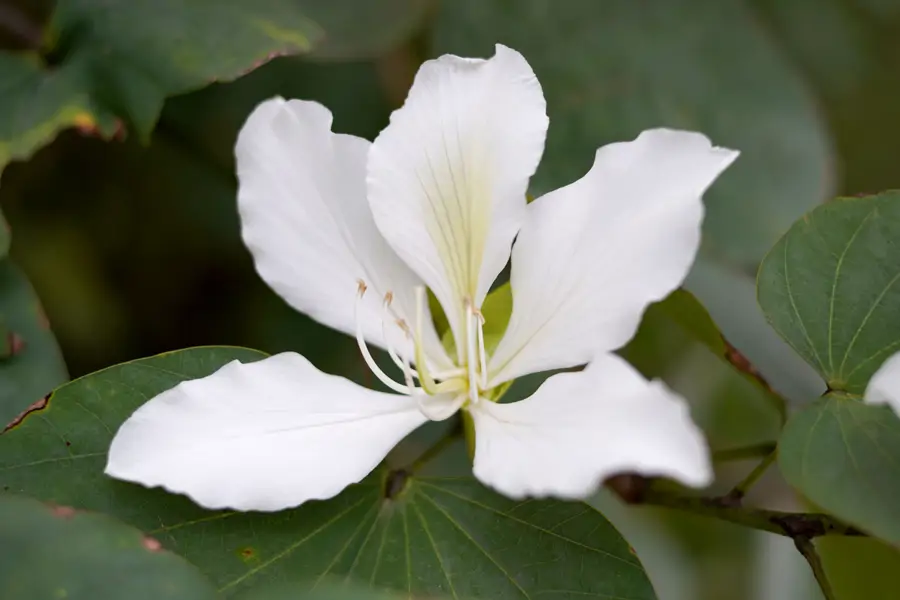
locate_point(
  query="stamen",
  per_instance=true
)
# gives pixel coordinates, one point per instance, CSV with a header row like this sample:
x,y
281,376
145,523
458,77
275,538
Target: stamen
x,y
470,352
482,355
449,373
364,349
403,363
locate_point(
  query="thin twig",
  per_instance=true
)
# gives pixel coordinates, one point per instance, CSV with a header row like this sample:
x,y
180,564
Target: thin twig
x,y
737,493
744,452
806,547
638,490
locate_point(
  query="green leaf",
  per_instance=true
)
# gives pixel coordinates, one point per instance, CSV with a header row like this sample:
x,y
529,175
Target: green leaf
x,y
682,308
848,57
301,591
859,567
678,339
360,29
35,104
611,69
842,455
419,535
730,297
56,552
121,58
829,288
35,365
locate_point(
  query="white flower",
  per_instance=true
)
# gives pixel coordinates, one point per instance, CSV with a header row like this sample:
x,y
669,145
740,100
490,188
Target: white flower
x,y
884,386
350,233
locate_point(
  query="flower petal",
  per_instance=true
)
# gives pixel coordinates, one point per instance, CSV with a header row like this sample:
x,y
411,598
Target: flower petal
x,y
580,428
305,219
447,178
884,386
591,256
262,436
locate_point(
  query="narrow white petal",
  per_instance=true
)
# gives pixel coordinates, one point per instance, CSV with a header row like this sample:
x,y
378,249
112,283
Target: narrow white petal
x,y
884,386
580,428
592,255
262,436
447,178
305,219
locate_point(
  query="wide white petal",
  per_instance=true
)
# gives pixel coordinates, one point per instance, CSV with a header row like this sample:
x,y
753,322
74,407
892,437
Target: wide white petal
x,y
580,428
447,178
262,436
884,386
592,255
305,219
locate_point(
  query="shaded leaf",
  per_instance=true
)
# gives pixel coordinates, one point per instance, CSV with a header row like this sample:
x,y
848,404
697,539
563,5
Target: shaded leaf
x,y
421,535
4,237
35,365
35,104
859,567
842,455
120,59
56,552
358,29
730,297
848,51
612,69
301,591
679,343
829,288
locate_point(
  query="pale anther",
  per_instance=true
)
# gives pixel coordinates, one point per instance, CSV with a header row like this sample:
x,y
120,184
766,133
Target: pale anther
x,y
389,316
364,349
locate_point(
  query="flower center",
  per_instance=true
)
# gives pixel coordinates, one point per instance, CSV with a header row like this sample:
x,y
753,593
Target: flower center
x,y
466,382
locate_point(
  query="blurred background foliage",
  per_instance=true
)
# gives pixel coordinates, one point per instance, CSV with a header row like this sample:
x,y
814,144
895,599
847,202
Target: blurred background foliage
x,y
133,247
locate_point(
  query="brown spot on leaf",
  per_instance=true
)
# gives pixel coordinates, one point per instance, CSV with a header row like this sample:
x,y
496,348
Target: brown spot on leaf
x,y
247,553
151,544
63,512
16,344
39,405
87,126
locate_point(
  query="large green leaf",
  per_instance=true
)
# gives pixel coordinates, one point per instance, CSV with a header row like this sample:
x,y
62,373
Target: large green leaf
x,y
56,552
356,29
118,60
829,288
420,535
843,455
611,69
848,53
35,104
859,567
35,365
301,591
